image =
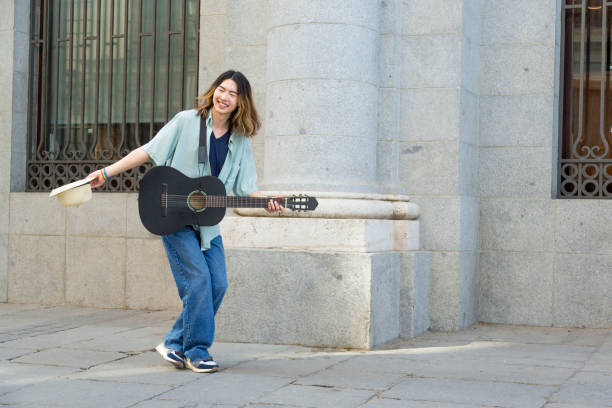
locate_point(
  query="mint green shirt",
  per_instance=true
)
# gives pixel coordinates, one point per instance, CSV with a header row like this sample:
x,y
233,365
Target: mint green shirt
x,y
176,145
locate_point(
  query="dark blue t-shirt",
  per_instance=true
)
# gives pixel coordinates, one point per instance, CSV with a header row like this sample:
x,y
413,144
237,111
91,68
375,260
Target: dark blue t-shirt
x,y
218,152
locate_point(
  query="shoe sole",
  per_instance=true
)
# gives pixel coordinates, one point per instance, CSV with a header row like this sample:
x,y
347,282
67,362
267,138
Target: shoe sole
x,y
161,349
200,370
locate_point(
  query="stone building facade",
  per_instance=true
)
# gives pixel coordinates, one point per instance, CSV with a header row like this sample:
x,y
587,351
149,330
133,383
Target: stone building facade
x,y
428,128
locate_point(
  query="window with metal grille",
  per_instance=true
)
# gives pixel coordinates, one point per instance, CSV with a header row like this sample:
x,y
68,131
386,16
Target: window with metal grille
x,y
585,163
105,76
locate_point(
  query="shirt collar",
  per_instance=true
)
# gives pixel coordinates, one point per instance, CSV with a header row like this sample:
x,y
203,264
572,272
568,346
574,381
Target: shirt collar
x,y
209,125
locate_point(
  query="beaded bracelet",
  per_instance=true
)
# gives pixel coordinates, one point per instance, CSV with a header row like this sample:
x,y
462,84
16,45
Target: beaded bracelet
x,y
104,174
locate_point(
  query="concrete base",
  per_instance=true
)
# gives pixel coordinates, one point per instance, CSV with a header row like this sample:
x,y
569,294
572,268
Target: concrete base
x,y
330,299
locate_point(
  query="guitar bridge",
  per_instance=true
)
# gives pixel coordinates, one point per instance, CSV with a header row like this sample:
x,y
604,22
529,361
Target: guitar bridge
x,y
164,200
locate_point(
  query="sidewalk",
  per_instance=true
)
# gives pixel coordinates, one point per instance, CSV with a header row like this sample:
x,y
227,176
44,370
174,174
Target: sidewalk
x,y
76,357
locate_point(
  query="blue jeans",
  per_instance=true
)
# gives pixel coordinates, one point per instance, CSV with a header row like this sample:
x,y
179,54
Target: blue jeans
x,y
201,280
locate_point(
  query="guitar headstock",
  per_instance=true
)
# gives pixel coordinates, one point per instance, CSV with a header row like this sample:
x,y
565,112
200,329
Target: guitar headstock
x,y
301,203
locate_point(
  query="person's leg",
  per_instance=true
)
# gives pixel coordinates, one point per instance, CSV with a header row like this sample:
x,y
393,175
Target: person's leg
x,y
215,258
192,332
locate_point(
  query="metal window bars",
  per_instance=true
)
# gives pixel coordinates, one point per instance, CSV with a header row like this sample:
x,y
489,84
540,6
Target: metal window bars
x,y
104,77
585,157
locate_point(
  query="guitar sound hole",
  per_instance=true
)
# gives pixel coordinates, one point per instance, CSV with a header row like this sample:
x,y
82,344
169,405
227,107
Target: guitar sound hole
x,y
197,201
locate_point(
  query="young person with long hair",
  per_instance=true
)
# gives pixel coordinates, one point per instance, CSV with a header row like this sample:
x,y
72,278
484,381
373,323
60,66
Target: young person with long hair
x,y
196,254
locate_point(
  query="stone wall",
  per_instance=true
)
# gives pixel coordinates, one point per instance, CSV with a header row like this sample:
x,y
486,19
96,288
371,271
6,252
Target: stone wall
x,y
544,261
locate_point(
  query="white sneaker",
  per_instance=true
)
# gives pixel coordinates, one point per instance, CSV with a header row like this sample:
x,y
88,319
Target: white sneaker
x,y
172,356
202,366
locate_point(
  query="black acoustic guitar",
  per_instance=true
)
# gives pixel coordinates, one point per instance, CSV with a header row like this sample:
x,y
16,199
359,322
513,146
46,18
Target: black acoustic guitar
x,y
168,200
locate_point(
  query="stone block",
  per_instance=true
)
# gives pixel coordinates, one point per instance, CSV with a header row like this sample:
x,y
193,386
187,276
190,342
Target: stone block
x,y
516,288
422,17
581,290
4,245
29,214
471,25
6,119
388,119
470,63
431,61
386,166
320,298
6,19
213,50
515,172
468,125
510,21
390,16
4,213
212,7
385,298
6,65
469,219
302,51
242,11
414,293
5,172
104,215
18,128
320,163
517,69
516,120
444,291
149,282
579,226
320,234
420,118
18,168
429,168
134,227
468,170
440,222
251,61
517,224
389,59
363,13
309,107
36,269
95,271
468,289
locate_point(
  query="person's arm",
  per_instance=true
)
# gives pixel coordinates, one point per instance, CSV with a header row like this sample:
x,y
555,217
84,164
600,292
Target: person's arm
x,y
134,159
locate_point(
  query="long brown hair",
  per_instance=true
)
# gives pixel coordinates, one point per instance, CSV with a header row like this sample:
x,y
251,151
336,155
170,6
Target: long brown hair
x,y
244,118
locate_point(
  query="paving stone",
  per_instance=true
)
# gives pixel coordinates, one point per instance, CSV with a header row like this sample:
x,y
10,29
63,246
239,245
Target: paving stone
x,y
306,396
128,341
482,370
588,394
230,354
345,378
507,395
10,353
225,388
285,367
158,403
394,403
62,357
587,377
15,376
83,394
144,368
63,337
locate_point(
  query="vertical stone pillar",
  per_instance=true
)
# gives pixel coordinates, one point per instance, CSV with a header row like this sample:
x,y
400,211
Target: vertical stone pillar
x,y
322,96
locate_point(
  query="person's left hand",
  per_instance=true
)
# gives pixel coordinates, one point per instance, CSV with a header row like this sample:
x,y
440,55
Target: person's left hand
x,y
274,206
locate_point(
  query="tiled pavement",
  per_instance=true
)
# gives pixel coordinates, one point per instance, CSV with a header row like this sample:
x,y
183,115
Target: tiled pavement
x,y
76,357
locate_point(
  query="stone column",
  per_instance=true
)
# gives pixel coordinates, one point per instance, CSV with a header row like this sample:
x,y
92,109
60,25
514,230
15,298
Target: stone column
x,y
322,96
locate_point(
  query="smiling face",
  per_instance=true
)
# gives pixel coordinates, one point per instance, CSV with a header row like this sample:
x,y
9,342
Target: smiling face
x,y
225,98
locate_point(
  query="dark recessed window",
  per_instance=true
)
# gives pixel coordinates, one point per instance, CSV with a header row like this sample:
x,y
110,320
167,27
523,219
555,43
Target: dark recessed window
x,y
585,165
105,76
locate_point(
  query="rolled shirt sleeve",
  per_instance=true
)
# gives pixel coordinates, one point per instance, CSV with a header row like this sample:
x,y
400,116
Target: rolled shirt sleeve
x,y
161,148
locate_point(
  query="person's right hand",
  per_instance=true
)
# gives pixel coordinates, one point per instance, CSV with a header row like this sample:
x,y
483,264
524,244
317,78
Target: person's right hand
x,y
98,179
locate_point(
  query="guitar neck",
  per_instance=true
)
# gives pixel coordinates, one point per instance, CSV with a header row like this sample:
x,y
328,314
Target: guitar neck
x,y
240,202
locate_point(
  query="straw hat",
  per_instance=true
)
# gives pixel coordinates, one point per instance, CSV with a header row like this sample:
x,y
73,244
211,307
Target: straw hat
x,y
74,193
